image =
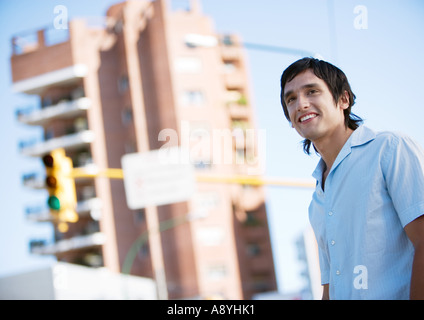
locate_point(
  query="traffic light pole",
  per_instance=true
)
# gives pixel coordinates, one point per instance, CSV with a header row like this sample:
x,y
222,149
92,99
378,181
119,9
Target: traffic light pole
x,y
238,179
94,173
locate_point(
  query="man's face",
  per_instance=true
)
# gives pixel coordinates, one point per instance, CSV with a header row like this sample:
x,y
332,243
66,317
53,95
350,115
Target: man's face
x,y
312,110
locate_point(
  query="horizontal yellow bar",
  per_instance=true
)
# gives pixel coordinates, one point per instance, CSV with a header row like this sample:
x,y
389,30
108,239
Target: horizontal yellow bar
x,y
88,173
250,180
257,181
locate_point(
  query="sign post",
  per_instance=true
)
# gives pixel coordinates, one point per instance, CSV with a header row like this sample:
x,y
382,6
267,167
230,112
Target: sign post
x,y
152,179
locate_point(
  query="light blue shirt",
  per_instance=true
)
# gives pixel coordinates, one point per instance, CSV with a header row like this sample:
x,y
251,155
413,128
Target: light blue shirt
x,y
374,189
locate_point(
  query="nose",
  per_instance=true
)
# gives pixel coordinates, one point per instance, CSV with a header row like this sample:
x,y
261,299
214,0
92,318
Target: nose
x,y
302,103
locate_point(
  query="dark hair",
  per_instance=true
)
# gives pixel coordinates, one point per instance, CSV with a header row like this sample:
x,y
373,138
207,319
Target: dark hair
x,y
336,82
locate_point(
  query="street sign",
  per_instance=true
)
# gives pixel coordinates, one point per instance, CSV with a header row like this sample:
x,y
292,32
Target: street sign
x,y
157,177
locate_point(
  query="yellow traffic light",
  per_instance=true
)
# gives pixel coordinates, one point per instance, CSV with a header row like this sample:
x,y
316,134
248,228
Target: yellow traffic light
x,y
60,184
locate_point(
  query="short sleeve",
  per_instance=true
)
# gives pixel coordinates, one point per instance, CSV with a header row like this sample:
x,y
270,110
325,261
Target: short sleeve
x,y
403,169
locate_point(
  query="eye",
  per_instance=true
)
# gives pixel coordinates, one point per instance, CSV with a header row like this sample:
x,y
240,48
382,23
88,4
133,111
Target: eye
x,y
289,100
312,91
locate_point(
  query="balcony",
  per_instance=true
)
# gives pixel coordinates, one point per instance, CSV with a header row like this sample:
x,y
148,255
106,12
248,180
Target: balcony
x,y
231,47
67,245
33,181
37,83
63,110
234,80
238,111
68,142
42,58
37,214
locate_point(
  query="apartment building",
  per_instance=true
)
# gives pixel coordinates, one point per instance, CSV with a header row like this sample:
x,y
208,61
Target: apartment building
x,y
152,68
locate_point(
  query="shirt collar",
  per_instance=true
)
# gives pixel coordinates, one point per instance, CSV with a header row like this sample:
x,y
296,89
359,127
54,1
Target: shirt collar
x,y
362,135
359,137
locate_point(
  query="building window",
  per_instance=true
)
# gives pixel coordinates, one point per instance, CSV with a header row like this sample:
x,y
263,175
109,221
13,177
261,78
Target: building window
x,y
123,84
190,65
48,134
144,251
236,97
46,101
118,27
237,124
216,272
80,124
127,116
230,66
227,40
192,98
78,93
261,282
82,158
140,216
252,219
210,236
253,249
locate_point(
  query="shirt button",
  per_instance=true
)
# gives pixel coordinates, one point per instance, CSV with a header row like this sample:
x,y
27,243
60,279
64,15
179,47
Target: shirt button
x,y
338,272
330,213
333,242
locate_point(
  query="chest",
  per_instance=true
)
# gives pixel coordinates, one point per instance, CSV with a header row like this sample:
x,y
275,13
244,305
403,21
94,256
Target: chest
x,y
353,203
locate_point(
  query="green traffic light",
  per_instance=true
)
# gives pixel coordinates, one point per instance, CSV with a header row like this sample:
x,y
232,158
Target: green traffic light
x,y
54,203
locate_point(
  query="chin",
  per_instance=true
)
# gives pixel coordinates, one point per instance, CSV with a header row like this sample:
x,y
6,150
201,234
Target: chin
x,y
306,135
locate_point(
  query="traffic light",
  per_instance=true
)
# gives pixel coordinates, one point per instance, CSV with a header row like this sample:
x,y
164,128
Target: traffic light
x,y
61,187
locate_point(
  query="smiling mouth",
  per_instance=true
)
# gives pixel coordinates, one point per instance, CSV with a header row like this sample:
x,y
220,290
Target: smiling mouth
x,y
307,117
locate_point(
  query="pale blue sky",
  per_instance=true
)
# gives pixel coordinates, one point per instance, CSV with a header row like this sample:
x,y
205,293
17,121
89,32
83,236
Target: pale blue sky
x,y
383,63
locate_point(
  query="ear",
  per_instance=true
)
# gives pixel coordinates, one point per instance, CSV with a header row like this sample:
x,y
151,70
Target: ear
x,y
344,100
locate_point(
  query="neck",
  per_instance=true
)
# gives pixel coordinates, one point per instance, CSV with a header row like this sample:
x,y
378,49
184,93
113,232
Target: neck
x,y
330,146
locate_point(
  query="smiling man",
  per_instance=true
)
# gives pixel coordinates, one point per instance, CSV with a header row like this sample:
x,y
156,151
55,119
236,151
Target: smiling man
x,y
367,209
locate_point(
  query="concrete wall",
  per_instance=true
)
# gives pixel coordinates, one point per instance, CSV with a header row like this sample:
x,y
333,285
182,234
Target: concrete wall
x,y
64,281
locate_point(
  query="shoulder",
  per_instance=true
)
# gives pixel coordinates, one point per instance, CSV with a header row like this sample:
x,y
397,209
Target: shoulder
x,y
390,147
364,135
390,137
398,140
375,142
395,141
400,153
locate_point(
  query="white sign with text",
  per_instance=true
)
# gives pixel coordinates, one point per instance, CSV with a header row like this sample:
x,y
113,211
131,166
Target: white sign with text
x,y
157,177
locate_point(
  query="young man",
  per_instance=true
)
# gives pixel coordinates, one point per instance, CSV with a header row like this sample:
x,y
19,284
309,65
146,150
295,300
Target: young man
x,y
367,209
